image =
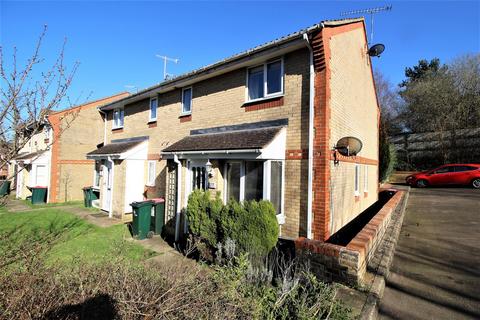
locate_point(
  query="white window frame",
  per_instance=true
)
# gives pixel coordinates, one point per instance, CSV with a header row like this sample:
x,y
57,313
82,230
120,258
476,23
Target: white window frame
x,y
150,118
266,184
122,113
356,182
150,179
184,113
365,178
265,80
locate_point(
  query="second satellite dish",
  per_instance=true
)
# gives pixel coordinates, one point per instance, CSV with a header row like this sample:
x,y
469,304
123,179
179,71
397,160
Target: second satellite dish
x,y
376,50
349,146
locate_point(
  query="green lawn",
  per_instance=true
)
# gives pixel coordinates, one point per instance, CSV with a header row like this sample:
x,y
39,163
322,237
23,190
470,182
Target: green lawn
x,y
76,239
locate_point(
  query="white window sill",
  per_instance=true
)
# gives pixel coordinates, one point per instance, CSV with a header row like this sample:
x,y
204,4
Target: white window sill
x,y
281,218
150,185
273,96
152,120
116,128
183,114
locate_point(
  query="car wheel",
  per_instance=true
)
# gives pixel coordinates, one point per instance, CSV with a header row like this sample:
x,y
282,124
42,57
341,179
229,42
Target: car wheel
x,y
476,183
422,183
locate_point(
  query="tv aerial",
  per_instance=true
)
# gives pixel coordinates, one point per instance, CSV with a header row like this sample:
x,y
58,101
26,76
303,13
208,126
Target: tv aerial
x,y
376,49
165,59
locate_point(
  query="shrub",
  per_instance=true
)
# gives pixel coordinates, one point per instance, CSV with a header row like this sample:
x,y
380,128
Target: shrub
x,y
251,225
255,229
388,157
202,214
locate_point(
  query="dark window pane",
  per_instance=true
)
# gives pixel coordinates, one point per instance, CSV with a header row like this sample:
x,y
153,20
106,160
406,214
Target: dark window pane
x,y
255,83
276,185
187,100
253,180
444,170
233,181
274,77
463,168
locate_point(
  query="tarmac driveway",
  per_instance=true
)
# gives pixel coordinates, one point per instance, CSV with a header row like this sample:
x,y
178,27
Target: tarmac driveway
x,y
436,268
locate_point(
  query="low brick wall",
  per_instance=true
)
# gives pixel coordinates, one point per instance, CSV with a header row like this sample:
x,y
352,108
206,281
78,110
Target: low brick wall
x,y
348,264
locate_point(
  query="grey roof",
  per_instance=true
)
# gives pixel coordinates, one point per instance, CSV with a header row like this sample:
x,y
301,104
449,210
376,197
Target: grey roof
x,y
28,156
209,68
114,148
233,140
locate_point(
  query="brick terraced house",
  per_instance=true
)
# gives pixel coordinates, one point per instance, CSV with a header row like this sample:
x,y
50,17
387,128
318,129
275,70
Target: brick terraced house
x,y
259,125
55,156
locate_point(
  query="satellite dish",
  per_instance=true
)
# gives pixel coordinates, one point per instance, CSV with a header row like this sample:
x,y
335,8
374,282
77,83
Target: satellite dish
x,y
349,146
376,50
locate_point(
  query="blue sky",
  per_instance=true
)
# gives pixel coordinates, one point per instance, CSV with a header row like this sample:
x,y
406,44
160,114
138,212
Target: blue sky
x,y
116,41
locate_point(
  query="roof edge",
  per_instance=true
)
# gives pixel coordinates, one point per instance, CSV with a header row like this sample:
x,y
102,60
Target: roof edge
x,y
235,58
92,102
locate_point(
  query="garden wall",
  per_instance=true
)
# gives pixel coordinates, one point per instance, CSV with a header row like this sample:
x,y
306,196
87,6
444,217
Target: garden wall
x,y
332,262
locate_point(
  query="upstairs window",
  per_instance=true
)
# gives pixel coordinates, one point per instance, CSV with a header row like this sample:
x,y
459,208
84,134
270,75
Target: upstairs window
x,y
187,101
153,109
117,119
265,81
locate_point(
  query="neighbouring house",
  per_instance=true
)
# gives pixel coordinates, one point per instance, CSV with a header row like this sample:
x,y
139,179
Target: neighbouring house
x,y
54,157
261,124
32,163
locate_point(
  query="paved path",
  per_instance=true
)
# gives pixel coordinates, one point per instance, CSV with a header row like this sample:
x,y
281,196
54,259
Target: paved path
x,y
436,268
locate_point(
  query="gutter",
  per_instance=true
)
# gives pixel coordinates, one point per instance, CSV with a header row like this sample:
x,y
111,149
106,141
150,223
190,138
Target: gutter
x,y
310,139
176,153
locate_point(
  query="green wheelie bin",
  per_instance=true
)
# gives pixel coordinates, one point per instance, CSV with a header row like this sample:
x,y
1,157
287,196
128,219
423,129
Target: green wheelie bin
x,y
87,196
158,215
5,188
141,218
39,195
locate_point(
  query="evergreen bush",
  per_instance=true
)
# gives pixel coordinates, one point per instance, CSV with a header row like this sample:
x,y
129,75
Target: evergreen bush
x,y
252,225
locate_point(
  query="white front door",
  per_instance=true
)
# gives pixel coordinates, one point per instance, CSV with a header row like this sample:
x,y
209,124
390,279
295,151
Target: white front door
x,y
41,175
107,187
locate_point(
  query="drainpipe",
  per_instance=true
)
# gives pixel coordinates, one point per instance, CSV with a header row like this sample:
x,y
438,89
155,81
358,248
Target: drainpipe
x,y
104,126
310,139
179,189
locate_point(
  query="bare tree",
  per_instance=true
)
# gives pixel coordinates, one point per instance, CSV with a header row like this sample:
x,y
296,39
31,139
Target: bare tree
x,y
28,93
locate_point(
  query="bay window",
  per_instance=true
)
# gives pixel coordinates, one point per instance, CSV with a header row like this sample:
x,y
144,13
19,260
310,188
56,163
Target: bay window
x,y
265,81
233,180
255,180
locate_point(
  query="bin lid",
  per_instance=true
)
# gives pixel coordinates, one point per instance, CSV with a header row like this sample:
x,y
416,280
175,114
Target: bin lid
x,y
39,187
157,200
139,204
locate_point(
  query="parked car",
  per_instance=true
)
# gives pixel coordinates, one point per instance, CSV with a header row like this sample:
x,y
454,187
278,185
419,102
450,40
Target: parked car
x,y
449,174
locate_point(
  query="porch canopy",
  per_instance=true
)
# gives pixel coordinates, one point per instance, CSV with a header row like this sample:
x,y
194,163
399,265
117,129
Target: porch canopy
x,y
119,149
246,141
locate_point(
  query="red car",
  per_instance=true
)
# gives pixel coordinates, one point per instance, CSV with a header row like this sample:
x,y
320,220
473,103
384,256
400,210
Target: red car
x,y
449,174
